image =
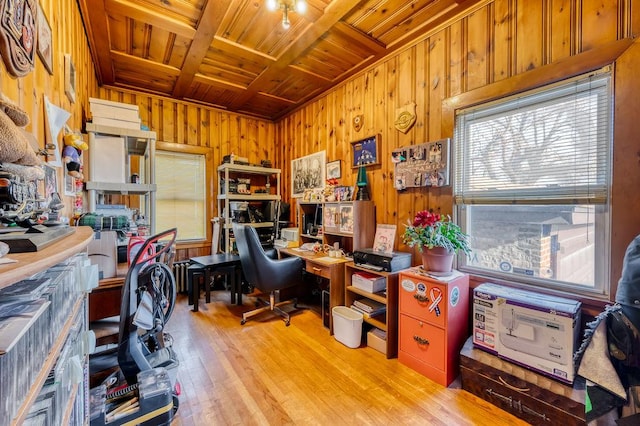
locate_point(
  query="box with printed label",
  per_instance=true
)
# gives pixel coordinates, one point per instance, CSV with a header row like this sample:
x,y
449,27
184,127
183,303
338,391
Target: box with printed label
x,y
534,330
368,282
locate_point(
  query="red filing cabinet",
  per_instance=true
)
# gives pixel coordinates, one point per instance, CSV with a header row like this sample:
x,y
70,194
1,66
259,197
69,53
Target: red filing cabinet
x,y
433,326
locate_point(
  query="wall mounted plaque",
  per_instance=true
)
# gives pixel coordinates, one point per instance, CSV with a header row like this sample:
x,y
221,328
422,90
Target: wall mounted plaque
x,y
18,35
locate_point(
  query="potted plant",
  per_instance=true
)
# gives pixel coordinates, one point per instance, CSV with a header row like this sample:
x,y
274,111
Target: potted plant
x,y
437,238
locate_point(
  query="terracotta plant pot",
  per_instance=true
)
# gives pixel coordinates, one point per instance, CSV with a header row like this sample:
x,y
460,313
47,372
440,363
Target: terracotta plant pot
x,y
437,259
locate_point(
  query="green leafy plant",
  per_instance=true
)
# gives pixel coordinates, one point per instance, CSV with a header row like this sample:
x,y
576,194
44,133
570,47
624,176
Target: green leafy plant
x,y
429,230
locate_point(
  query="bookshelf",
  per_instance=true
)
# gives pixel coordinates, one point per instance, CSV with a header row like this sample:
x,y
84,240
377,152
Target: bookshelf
x,y
387,322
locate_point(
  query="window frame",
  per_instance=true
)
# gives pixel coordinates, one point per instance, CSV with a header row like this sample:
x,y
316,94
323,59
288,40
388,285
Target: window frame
x,y
582,63
207,153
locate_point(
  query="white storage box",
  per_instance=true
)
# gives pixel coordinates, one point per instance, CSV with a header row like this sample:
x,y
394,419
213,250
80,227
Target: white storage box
x,y
534,330
347,326
108,160
377,339
114,110
368,282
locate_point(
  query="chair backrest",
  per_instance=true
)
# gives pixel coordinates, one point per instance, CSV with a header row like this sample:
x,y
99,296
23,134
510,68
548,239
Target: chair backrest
x,y
259,269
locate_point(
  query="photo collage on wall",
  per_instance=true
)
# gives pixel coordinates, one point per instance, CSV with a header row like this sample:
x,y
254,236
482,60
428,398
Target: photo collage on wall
x,y
424,165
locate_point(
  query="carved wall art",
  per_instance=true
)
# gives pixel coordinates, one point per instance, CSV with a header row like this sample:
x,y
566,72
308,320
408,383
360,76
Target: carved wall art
x,y
18,35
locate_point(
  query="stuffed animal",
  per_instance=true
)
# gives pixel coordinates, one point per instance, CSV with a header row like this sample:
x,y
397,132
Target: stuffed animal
x,y
14,145
74,145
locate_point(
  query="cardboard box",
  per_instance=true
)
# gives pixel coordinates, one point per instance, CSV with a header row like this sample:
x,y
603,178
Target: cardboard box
x,y
368,282
377,339
103,251
537,331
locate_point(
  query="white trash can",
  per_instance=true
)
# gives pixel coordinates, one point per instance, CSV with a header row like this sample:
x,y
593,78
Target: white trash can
x,y
347,326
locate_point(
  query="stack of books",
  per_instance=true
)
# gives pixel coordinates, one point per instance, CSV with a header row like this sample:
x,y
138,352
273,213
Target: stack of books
x,y
369,308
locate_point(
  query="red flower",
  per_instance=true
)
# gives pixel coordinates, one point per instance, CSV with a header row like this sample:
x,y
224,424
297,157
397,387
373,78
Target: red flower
x,y
426,218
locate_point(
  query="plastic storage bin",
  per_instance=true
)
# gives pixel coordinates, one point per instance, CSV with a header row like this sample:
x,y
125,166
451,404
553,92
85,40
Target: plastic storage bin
x,y
347,326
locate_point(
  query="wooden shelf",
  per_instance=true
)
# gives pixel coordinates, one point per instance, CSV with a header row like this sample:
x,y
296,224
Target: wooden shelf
x,y
388,321
30,263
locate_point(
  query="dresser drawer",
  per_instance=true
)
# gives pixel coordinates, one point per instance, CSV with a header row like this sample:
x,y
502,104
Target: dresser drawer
x,y
423,341
317,269
524,393
424,299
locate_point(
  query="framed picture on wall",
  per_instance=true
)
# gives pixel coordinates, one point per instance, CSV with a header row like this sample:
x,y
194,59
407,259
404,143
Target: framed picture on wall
x,y
334,170
69,78
365,151
45,50
308,172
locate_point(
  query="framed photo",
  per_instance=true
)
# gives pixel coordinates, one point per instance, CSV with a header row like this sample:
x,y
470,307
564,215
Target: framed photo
x,y
365,152
308,172
334,170
69,185
45,50
69,78
50,182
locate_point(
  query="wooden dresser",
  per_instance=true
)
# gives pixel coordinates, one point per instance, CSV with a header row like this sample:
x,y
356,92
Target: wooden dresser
x,y
532,397
433,323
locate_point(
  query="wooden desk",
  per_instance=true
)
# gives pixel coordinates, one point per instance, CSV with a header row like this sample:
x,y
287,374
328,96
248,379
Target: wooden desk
x,y
327,267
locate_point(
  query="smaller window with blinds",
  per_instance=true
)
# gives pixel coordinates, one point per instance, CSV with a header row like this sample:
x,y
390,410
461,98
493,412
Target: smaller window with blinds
x,y
532,179
181,194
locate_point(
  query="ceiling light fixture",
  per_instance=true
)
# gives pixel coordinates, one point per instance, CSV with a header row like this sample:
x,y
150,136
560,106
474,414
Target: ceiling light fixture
x,y
299,6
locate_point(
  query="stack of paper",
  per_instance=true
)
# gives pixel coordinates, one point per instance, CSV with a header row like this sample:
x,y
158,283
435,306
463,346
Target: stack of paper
x,y
368,307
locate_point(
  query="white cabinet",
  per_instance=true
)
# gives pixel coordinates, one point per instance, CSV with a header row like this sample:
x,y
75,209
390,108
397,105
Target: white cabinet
x,y
256,186
110,151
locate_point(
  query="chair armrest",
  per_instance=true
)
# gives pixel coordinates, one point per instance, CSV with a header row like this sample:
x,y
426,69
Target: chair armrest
x,y
271,253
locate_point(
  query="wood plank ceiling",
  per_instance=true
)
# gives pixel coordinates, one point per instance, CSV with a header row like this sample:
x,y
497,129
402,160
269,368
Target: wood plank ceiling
x,y
236,55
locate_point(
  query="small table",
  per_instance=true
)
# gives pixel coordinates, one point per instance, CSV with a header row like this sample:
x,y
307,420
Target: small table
x,y
223,263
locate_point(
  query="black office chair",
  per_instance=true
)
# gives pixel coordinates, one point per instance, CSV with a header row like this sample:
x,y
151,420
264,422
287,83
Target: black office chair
x,y
266,273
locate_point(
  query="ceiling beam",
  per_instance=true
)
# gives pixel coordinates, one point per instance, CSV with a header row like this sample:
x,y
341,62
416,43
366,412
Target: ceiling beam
x,y
141,14
96,27
212,16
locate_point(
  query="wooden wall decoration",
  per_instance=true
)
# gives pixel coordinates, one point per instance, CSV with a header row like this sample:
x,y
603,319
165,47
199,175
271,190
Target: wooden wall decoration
x,y
18,35
406,117
426,164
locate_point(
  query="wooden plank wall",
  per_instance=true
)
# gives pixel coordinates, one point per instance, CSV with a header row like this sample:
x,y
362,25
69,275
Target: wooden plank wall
x,y
28,92
495,41
196,125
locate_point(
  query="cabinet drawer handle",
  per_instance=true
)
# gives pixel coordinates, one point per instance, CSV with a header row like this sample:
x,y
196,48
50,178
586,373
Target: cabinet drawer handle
x,y
420,297
316,270
420,340
513,387
528,410
503,398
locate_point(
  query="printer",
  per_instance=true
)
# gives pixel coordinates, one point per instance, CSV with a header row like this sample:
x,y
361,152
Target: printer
x,y
381,261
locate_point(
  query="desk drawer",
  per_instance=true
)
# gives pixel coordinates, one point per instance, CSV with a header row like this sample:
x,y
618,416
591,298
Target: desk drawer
x,y
317,269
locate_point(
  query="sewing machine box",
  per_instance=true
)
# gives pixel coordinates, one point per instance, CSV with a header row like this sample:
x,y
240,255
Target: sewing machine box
x,y
103,251
537,331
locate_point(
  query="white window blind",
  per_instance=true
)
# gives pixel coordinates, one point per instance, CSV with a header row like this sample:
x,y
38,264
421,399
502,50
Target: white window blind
x,y
552,145
181,195
531,185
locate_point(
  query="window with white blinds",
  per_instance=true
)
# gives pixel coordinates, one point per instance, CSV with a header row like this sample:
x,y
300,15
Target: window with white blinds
x,y
531,183
181,194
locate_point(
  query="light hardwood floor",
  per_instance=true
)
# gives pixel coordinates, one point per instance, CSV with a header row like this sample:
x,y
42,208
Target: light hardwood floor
x,y
264,373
